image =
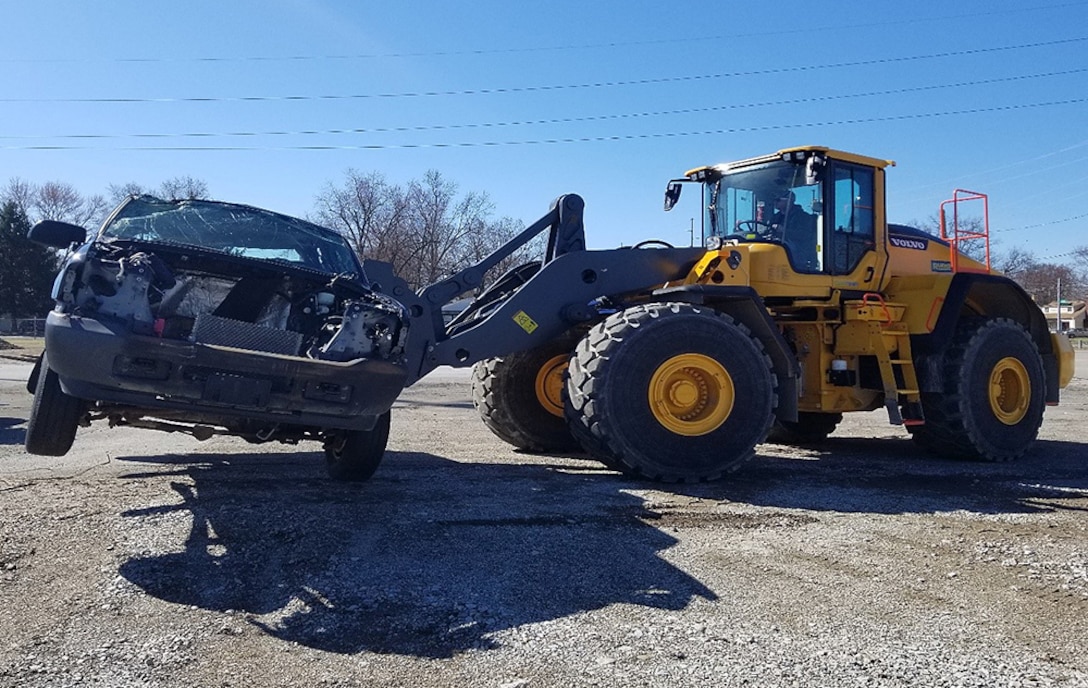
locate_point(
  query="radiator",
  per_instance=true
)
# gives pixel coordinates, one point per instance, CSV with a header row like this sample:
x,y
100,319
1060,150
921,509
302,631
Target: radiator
x,y
211,329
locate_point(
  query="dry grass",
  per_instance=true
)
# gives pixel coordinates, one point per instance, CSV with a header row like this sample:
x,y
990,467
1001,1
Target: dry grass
x,y
24,348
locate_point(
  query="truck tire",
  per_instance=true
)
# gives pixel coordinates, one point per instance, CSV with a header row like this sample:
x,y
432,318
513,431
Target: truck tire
x,y
54,415
670,392
993,396
520,396
809,428
356,457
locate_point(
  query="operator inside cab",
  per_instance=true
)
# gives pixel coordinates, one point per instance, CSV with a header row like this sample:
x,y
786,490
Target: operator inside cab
x,y
782,201
771,203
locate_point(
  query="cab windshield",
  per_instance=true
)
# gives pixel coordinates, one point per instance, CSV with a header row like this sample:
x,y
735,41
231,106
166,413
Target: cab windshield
x,y
768,203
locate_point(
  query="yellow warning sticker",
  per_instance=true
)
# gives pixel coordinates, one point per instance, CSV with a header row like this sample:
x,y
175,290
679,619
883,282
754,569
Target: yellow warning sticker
x,y
525,322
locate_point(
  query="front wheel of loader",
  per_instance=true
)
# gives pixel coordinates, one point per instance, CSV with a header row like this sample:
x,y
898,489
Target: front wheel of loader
x,y
354,455
520,396
670,392
809,428
993,396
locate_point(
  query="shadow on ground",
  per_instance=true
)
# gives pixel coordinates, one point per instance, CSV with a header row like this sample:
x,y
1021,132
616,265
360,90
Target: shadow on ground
x,y
894,476
433,556
9,433
427,559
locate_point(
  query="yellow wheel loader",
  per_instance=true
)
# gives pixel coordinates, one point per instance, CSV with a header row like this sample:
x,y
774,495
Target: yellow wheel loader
x,y
805,304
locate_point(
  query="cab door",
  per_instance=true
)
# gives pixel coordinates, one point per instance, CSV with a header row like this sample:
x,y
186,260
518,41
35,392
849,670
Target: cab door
x,y
853,253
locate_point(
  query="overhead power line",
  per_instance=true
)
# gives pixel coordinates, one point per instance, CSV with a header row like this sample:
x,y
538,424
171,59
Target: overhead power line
x,y
554,120
1067,254
806,30
557,87
1043,224
572,139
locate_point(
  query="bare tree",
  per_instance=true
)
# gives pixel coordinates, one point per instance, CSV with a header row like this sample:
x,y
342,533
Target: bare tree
x,y
61,201
425,229
183,188
370,213
1041,281
119,192
20,192
1014,262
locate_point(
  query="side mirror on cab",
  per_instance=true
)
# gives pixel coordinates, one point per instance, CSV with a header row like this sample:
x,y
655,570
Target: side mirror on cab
x,y
672,195
56,234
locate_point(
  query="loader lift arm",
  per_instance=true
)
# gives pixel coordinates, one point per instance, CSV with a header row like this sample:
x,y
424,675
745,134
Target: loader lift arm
x,y
571,286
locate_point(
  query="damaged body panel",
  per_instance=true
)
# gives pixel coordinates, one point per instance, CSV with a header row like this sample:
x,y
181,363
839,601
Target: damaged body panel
x,y
215,318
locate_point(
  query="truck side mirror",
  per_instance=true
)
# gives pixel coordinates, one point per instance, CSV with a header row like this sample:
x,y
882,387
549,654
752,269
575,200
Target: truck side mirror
x,y
672,195
56,234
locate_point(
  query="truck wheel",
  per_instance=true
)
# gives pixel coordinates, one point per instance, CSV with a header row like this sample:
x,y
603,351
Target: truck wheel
x,y
54,416
520,396
670,392
993,396
354,456
809,428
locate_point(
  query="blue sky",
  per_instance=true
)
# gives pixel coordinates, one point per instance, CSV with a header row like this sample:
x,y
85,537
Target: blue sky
x,y
526,101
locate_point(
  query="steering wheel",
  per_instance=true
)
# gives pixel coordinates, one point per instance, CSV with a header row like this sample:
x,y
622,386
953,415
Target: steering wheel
x,y
758,227
653,242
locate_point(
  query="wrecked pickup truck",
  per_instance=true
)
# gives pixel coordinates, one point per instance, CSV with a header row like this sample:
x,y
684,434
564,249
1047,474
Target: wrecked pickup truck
x,y
213,318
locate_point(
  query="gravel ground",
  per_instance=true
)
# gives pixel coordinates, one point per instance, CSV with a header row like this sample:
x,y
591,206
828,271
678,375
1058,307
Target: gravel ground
x,y
146,559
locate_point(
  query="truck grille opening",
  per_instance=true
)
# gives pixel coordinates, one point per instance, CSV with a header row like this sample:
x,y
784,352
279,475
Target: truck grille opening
x,y
211,329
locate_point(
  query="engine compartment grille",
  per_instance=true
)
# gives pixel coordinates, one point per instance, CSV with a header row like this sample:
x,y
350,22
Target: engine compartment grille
x,y
212,329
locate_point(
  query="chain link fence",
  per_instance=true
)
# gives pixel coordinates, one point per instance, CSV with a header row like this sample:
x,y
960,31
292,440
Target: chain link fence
x,y
23,327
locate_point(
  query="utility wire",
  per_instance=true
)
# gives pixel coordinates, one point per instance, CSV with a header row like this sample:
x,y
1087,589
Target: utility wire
x,y
573,139
557,120
1043,224
807,30
557,87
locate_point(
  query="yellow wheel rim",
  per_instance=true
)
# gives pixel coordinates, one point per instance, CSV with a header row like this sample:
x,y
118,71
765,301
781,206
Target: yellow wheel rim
x,y
549,384
691,394
1010,391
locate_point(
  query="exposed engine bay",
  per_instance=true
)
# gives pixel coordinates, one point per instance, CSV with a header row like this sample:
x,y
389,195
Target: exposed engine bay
x,y
226,301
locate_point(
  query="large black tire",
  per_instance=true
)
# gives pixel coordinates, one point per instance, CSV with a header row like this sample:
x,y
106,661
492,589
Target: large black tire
x,y
520,396
356,459
670,392
809,428
54,415
993,396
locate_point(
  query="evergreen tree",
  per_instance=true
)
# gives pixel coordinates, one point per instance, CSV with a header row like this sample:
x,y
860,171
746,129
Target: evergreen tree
x,y
26,268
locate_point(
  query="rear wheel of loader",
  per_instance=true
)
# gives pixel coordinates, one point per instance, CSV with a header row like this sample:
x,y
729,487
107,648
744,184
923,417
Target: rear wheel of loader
x,y
809,428
354,455
520,396
670,392
993,399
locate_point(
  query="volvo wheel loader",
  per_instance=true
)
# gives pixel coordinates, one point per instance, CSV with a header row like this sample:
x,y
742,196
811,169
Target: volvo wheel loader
x,y
673,364
667,363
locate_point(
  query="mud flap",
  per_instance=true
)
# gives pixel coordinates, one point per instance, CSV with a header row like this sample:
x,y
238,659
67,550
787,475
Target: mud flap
x,y
32,381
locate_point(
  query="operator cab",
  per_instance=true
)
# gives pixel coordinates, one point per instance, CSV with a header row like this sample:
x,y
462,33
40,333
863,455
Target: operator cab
x,y
821,206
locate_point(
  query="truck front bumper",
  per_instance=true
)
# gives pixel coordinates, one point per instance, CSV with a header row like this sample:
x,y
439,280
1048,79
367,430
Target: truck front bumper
x,y
102,361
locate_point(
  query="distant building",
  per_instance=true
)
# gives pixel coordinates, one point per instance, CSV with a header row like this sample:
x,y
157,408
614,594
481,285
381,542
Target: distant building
x,y
1072,315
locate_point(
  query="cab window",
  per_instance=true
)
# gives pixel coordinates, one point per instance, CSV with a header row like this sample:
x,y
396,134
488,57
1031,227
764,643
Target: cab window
x,y
853,217
769,203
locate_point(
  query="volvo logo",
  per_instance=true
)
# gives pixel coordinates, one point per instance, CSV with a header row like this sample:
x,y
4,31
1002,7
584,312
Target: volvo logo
x,y
903,242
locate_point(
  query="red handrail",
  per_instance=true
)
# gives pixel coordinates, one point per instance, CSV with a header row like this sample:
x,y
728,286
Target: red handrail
x,y
959,235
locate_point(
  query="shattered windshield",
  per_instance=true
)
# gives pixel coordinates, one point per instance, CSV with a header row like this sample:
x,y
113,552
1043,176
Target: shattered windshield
x,y
235,230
